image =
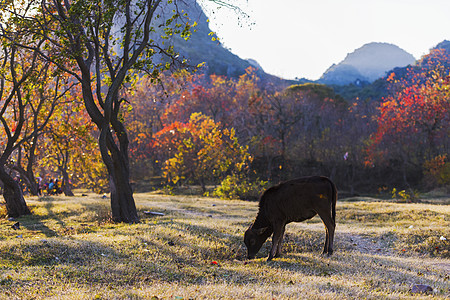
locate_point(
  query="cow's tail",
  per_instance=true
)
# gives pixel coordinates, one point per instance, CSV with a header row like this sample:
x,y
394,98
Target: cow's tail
x,y
333,200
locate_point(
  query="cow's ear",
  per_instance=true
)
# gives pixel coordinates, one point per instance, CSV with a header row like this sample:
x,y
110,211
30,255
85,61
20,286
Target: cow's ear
x,y
260,231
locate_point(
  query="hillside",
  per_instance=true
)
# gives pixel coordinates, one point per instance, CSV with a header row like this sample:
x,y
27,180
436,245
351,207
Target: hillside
x,y
201,48
366,64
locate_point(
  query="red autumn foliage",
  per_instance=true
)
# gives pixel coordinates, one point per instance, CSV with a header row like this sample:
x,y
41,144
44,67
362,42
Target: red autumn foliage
x,y
414,121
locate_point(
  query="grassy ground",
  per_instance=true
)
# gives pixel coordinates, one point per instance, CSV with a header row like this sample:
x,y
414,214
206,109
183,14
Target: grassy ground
x,y
69,249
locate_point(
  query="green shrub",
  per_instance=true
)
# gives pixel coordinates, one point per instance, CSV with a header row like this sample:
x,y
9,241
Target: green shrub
x,y
234,187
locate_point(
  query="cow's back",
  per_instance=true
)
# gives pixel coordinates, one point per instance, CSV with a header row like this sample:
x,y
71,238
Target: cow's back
x,y
298,199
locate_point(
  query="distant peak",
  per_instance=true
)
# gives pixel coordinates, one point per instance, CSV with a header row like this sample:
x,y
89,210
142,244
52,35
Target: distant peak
x,y
367,63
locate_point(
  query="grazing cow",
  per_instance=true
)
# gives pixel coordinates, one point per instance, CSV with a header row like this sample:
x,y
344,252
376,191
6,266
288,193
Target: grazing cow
x,y
292,201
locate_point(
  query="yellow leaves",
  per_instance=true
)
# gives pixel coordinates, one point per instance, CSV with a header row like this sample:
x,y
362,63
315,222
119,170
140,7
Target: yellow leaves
x,y
203,150
176,179
201,65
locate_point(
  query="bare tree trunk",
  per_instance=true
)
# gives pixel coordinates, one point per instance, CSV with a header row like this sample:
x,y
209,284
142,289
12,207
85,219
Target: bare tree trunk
x,y
63,159
123,207
203,185
65,185
404,170
122,202
28,178
12,193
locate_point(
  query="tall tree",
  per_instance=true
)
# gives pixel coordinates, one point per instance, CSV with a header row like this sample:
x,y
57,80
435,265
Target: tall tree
x,y
44,95
144,117
18,67
106,40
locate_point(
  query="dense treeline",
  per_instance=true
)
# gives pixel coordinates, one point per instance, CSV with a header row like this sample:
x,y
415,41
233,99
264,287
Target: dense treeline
x,y
208,130
287,131
401,141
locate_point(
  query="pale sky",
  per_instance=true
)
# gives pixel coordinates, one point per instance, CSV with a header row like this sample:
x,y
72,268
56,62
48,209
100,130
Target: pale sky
x,y
303,38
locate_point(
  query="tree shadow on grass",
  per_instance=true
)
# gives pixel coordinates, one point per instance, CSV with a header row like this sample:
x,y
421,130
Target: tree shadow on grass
x,y
52,218
35,224
84,262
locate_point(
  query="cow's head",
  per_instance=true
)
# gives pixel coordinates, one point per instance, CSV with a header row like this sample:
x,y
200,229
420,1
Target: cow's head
x,y
254,239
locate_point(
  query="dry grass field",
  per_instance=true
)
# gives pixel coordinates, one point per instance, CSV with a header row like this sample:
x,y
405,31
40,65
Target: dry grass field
x,y
69,249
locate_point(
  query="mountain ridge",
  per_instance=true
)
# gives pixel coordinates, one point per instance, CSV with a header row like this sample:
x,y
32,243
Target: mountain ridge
x,y
362,67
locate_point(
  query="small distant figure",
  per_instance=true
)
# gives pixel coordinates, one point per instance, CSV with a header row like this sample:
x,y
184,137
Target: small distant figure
x,y
58,189
39,186
50,188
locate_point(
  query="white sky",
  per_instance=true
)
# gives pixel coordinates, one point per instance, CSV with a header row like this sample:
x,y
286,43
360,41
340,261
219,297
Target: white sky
x,y
302,38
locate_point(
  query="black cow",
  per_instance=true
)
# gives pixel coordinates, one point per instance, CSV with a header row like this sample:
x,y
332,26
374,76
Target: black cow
x,y
292,201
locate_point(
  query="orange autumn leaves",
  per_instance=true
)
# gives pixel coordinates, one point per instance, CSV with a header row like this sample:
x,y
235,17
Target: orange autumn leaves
x,y
186,126
183,129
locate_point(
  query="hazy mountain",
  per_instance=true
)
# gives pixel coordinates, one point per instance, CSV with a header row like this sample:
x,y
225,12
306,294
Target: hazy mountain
x,y
202,48
379,88
367,64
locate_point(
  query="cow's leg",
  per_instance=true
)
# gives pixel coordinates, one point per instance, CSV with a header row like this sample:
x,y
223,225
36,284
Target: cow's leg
x,y
280,243
330,226
325,246
276,239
